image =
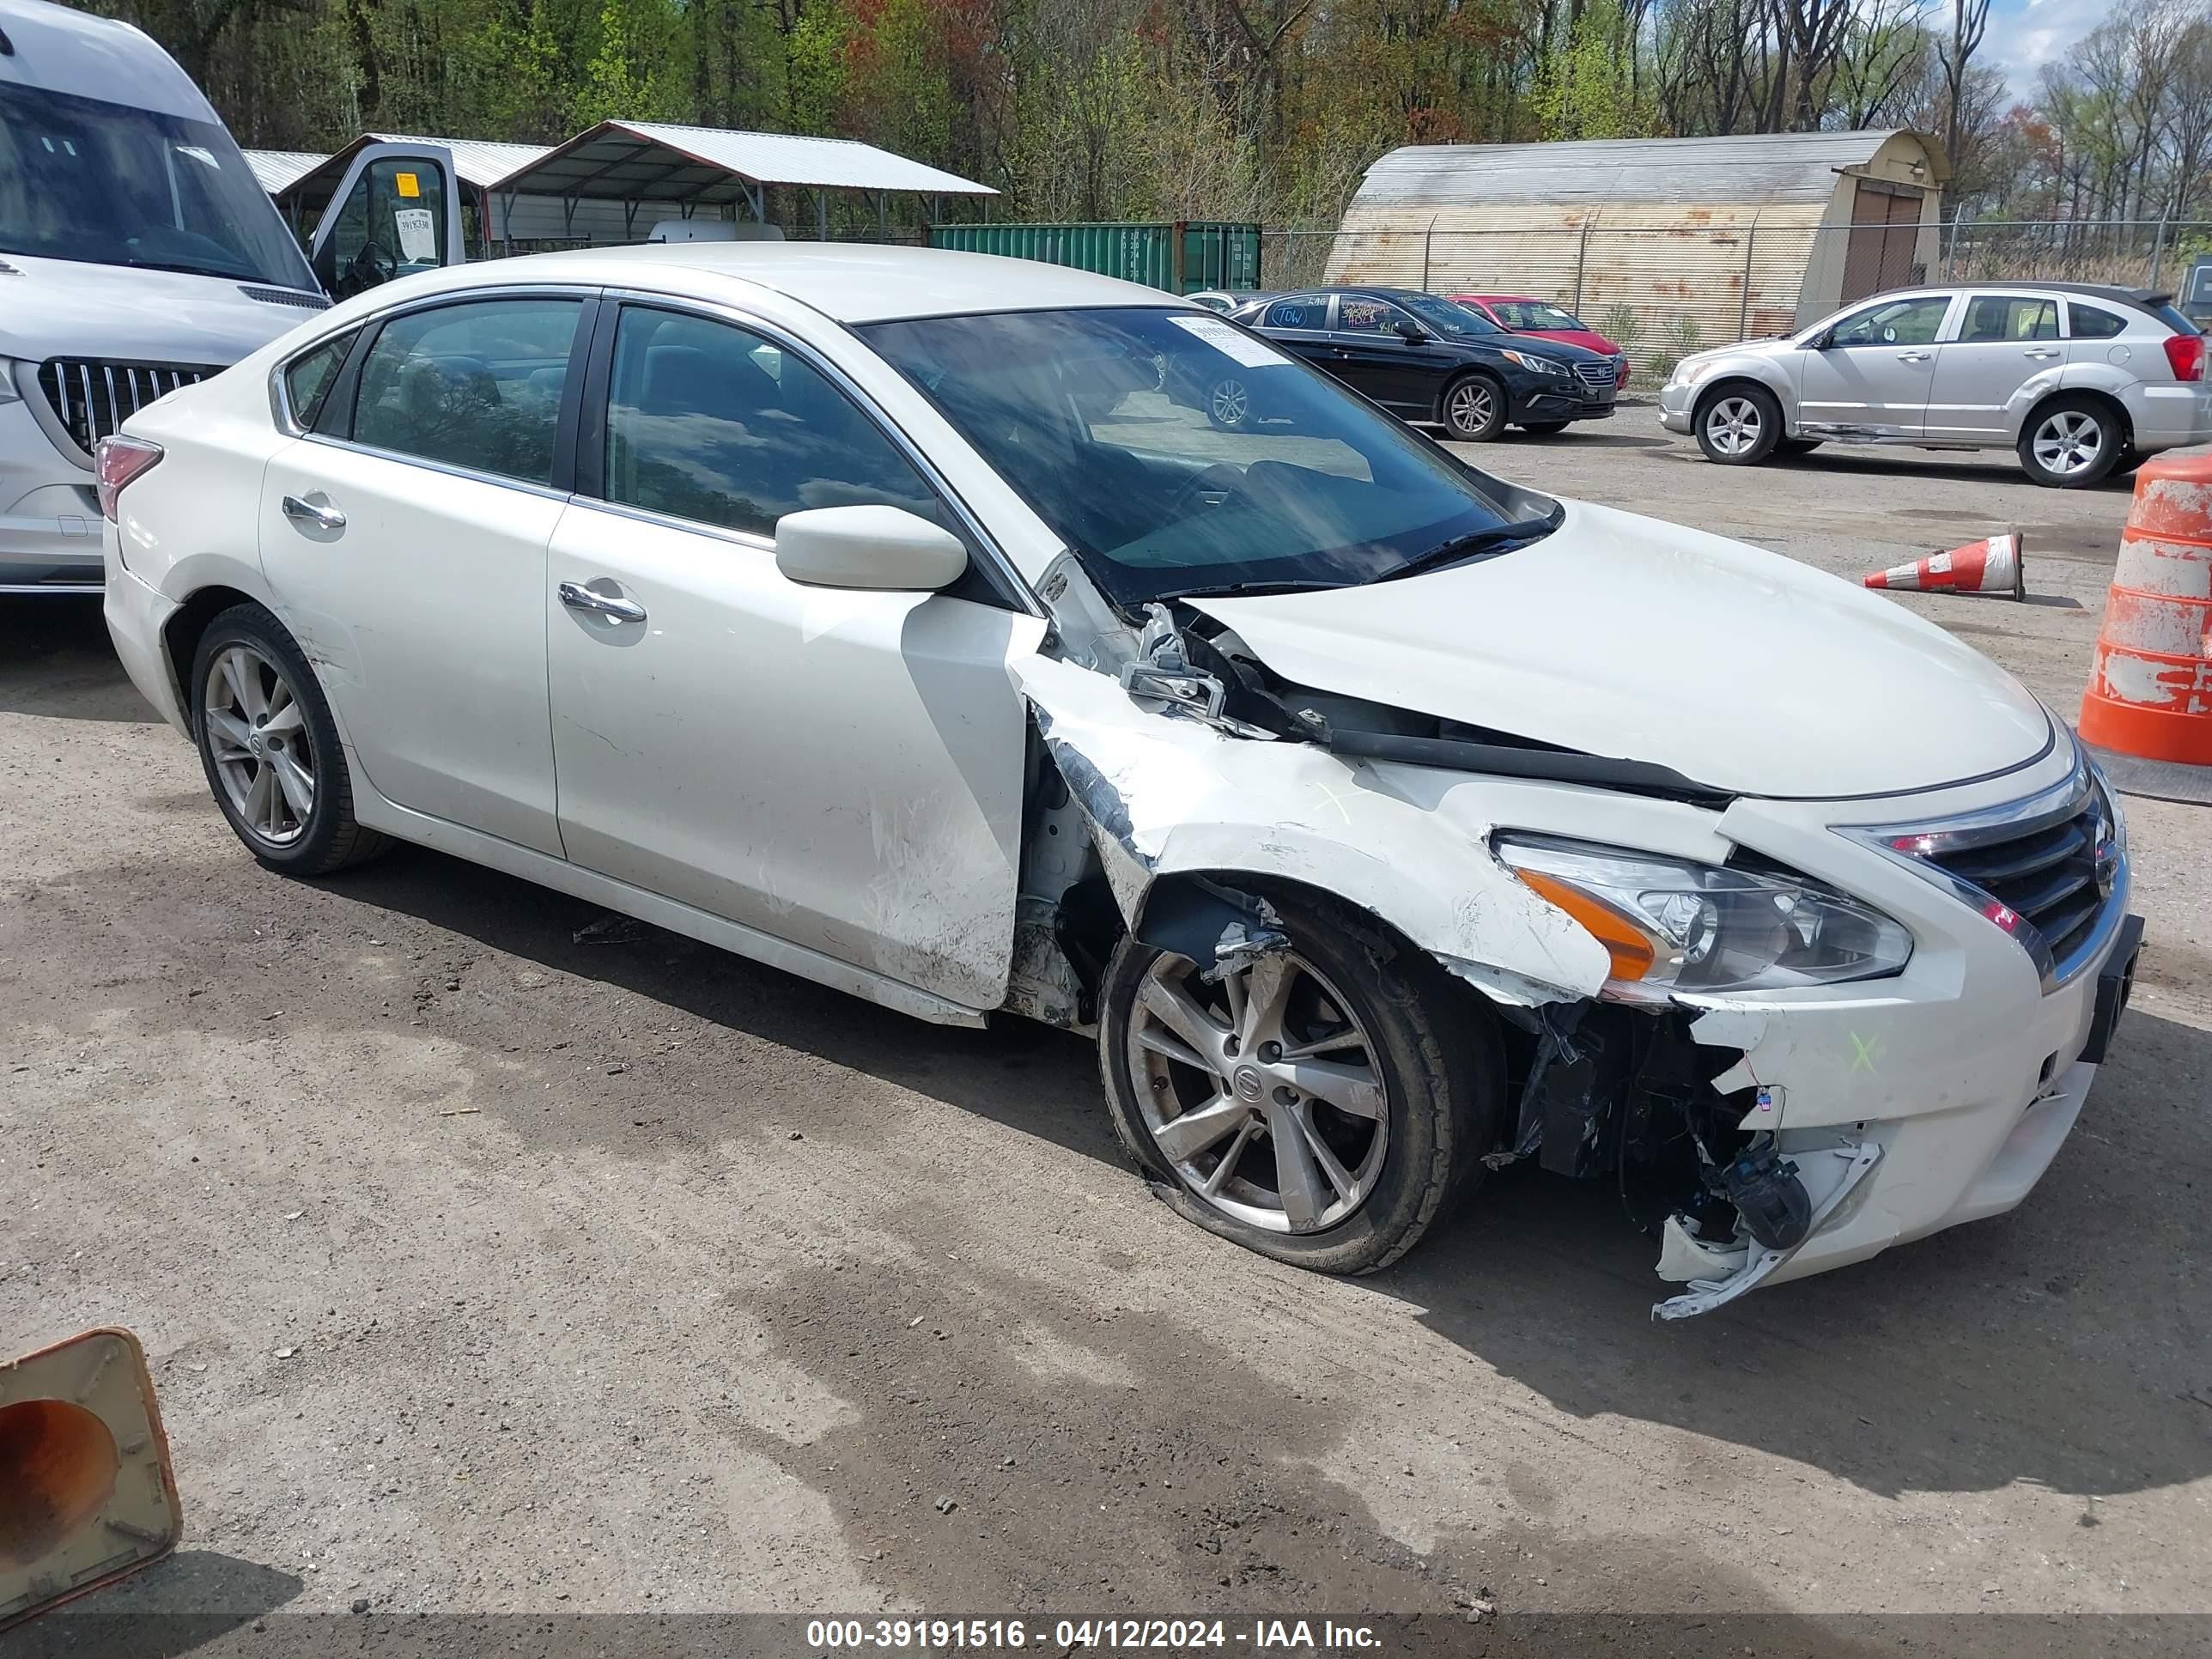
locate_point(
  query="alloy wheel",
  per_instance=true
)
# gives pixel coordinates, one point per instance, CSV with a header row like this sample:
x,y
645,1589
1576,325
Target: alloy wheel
x,y
2068,441
1231,403
257,736
1733,425
1262,1090
1471,406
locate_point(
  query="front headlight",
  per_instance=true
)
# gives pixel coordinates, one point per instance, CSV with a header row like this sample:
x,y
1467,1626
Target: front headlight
x,y
1673,925
1530,360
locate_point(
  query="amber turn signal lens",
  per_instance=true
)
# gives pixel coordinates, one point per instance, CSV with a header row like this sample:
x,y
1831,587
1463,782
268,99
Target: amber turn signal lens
x,y
1623,941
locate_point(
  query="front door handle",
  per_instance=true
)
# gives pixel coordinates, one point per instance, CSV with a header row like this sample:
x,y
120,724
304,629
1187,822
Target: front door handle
x,y
322,517
577,597
1914,357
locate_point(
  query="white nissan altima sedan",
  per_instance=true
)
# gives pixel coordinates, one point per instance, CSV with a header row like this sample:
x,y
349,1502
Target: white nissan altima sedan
x,y
884,616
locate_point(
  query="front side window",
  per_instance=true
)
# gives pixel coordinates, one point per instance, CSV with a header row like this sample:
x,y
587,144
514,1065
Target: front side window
x,y
1096,417
107,184
710,423
392,224
308,379
1998,317
2089,322
475,385
1892,322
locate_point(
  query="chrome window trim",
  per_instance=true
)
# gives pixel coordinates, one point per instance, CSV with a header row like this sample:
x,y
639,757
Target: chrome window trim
x,y
280,392
280,404
750,540
1010,580
2010,821
528,486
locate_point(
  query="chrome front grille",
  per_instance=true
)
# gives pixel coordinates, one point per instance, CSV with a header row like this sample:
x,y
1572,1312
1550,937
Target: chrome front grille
x,y
1598,377
92,397
2051,870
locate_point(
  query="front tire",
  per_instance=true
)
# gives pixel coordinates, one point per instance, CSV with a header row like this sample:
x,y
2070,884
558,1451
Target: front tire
x,y
1318,1104
1739,425
2071,443
1472,409
270,750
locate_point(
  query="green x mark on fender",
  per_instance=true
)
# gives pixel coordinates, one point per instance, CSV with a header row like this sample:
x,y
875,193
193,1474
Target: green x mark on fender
x,y
1865,1051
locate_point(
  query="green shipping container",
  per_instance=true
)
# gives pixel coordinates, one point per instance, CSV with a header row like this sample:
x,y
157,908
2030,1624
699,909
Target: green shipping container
x,y
1182,256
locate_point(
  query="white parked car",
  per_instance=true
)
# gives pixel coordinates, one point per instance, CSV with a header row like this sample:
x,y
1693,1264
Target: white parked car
x,y
2078,381
1384,821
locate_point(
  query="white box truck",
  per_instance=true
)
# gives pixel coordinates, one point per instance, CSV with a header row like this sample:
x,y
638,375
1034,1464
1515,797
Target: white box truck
x,y
137,253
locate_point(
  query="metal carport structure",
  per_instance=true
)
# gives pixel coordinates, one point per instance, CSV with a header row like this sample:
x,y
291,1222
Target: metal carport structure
x,y
636,163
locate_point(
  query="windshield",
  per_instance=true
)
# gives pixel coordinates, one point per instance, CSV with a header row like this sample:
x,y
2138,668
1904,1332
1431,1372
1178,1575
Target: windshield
x,y
1176,454
1535,313
108,185
1446,318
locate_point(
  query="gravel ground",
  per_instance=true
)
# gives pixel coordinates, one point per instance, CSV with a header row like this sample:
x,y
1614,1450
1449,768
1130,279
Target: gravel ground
x,y
484,1271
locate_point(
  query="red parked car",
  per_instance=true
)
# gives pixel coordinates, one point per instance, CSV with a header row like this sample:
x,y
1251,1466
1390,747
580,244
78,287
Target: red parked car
x,y
1540,316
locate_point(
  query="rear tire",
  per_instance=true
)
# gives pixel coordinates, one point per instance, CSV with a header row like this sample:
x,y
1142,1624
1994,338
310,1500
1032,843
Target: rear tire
x,y
1413,1035
1473,408
270,748
2070,443
1739,425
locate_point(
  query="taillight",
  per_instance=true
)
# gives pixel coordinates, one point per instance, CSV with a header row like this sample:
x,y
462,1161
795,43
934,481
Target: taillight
x,y
2186,353
116,461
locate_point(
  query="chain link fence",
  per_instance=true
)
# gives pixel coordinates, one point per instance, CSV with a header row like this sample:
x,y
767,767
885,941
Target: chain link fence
x,y
1662,291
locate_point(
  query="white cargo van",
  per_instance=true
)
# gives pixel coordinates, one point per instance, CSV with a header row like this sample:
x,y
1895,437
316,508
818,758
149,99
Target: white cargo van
x,y
137,254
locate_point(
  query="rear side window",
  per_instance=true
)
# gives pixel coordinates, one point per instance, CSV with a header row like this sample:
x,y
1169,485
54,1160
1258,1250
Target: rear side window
x,y
2009,317
2095,322
308,379
1304,310
475,385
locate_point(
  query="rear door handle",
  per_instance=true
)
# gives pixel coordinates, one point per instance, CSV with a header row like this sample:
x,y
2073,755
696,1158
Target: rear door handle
x,y
2040,351
323,517
577,597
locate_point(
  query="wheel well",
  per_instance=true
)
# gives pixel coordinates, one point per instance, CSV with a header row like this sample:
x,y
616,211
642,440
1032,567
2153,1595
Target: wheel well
x,y
2089,394
181,635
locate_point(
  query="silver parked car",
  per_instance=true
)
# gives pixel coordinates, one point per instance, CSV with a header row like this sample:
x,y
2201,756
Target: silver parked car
x,y
2078,380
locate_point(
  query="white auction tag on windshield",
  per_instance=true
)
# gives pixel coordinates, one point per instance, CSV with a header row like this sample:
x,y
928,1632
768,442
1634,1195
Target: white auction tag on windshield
x,y
1239,345
418,236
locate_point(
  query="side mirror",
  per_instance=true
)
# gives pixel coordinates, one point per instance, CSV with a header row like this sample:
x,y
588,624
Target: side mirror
x,y
1412,333
887,549
87,1494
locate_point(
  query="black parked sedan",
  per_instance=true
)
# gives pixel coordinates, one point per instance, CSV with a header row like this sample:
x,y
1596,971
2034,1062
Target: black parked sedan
x,y
1422,359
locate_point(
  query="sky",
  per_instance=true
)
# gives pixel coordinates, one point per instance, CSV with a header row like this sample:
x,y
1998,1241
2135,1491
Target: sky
x,y
2025,34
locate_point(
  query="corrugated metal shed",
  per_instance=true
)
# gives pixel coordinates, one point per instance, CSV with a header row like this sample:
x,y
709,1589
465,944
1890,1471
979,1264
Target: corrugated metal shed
x,y
1667,245
277,170
629,160
1754,168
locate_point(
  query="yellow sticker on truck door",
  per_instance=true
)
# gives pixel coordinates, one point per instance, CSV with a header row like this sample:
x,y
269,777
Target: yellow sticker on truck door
x,y
409,185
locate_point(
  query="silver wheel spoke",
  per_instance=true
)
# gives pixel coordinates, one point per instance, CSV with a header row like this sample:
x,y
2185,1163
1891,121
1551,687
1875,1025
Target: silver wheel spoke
x,y
1348,1088
1298,1177
244,674
1184,1138
284,717
1344,1036
231,732
1174,1008
1230,1159
261,798
1173,1047
1332,1169
299,788
1267,988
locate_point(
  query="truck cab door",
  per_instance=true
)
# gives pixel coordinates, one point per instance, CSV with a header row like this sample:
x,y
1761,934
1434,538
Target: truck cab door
x,y
396,211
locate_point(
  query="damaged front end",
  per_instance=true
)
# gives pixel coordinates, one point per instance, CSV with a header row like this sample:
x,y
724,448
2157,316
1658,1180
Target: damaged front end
x,y
1181,774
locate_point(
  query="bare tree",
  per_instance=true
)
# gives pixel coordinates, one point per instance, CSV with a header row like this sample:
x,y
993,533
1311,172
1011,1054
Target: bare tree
x,y
1969,20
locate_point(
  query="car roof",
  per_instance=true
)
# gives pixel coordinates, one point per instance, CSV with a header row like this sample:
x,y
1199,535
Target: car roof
x,y
850,282
2144,298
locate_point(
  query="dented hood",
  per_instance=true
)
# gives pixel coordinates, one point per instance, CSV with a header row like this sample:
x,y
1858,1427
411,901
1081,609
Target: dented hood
x,y
1630,638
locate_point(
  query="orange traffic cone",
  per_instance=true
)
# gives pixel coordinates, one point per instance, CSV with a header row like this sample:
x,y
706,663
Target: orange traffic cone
x,y
2147,710
1997,564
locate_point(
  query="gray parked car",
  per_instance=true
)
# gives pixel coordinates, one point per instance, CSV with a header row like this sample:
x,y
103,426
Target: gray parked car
x,y
2078,380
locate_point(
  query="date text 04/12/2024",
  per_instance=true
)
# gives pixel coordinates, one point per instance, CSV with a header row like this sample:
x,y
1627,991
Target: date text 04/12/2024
x,y
1288,1635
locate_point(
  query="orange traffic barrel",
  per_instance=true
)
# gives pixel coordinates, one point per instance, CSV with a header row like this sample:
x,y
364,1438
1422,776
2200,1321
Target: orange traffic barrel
x,y
2148,709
